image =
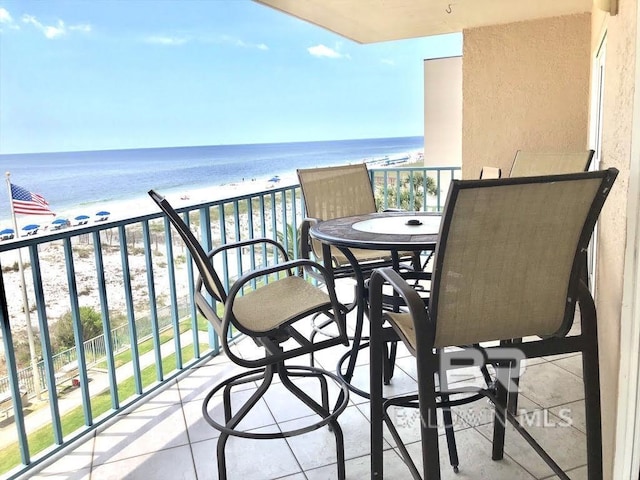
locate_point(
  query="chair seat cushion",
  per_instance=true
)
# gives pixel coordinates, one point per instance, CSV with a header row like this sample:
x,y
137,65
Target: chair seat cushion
x,y
364,256
402,323
277,303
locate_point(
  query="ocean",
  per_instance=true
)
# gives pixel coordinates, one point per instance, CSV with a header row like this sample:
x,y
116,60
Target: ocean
x,y
74,181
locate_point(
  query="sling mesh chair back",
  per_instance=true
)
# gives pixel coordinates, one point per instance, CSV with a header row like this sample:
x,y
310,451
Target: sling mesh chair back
x,y
507,267
266,305
528,164
335,192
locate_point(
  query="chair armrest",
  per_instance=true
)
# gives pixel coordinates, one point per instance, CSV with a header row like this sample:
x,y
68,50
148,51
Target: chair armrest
x,y
305,239
285,266
245,243
412,299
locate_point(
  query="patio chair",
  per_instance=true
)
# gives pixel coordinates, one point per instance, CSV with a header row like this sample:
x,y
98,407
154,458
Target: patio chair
x,y
342,191
507,267
266,305
527,164
333,192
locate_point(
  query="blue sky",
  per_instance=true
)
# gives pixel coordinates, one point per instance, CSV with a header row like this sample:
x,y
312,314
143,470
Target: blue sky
x,y
93,75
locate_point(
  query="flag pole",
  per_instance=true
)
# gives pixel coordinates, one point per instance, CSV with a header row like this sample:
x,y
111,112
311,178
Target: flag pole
x,y
25,302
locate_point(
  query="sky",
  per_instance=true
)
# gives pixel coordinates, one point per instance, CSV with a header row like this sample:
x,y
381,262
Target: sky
x,y
96,75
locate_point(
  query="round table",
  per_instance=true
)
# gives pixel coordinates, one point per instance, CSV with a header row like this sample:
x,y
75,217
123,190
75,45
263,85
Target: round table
x,y
391,231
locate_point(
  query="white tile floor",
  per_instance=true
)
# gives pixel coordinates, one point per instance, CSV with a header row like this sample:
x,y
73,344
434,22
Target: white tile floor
x,y
167,438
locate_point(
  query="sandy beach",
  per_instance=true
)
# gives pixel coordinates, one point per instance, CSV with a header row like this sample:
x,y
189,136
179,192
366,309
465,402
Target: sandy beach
x,y
52,260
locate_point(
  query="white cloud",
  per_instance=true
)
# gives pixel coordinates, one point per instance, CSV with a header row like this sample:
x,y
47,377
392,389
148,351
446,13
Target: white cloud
x,y
83,27
5,16
7,20
326,52
166,40
242,44
55,31
388,61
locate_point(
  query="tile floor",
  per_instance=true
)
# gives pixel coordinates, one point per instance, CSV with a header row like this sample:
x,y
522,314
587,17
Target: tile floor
x,y
167,438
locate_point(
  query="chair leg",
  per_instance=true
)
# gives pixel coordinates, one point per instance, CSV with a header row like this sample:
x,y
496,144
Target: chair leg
x,y
448,424
226,393
233,421
499,417
427,366
591,378
316,330
321,410
357,338
334,426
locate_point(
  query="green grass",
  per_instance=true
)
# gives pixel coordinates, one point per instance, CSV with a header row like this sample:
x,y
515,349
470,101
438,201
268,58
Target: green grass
x,y
42,438
146,346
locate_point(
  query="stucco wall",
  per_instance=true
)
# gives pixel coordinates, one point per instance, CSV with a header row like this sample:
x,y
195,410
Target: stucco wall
x,y
443,111
616,152
525,86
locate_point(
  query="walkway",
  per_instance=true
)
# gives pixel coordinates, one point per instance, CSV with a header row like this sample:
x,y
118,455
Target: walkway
x,y
38,413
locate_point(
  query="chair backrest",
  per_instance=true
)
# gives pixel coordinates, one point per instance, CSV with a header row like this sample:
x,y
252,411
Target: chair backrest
x,y
210,279
530,164
508,260
333,192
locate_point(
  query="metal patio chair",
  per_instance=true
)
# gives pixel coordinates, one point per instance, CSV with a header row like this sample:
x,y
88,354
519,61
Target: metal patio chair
x,y
266,305
342,191
333,192
507,267
528,164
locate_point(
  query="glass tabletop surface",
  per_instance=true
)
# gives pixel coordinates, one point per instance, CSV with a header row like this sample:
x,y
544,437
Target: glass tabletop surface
x,y
403,224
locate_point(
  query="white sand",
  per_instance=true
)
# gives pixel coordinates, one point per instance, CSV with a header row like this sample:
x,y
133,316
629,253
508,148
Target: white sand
x,y
52,261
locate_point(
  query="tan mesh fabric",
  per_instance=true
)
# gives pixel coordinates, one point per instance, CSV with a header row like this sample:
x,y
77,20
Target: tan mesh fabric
x,y
507,260
529,164
402,323
340,191
339,259
276,303
334,192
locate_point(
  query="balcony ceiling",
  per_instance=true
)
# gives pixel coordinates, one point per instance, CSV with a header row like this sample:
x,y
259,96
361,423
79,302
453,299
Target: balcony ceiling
x,y
369,21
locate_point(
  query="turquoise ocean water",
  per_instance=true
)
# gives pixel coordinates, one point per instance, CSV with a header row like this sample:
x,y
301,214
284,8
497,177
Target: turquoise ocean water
x,y
85,180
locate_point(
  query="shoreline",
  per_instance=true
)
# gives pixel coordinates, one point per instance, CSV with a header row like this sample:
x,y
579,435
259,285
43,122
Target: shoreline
x,y
143,205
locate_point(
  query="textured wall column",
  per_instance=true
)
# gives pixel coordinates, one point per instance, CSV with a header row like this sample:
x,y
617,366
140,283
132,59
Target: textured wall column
x,y
525,86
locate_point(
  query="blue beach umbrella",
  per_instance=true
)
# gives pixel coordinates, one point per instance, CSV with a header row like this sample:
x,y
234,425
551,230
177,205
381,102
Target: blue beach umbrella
x,y
59,221
31,229
102,215
7,234
274,179
82,217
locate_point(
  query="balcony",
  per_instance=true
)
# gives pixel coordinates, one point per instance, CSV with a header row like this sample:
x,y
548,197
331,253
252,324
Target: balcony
x,y
129,404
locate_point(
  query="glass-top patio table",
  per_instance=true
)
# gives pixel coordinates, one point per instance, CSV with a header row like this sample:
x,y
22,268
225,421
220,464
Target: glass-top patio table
x,y
394,232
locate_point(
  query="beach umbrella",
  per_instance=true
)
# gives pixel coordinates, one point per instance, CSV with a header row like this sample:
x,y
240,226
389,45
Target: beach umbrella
x,y
274,179
7,231
103,213
30,227
59,221
82,217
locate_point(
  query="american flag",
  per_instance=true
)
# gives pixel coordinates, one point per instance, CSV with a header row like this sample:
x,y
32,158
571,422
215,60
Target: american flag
x,y
28,203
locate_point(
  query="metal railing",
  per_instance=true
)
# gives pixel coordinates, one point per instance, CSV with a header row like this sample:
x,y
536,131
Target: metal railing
x,y
131,269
